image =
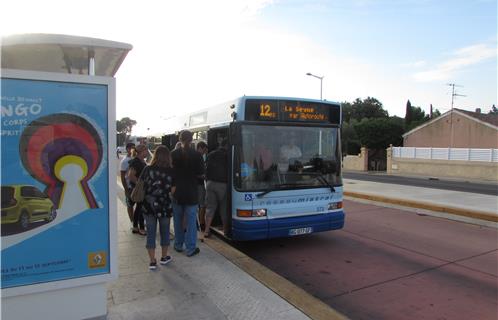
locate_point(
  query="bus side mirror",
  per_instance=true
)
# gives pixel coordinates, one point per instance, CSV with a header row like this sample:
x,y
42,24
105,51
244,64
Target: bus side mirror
x,y
329,166
324,166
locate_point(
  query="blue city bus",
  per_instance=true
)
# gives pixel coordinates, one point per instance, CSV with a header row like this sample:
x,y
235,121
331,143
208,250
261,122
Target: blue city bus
x,y
284,164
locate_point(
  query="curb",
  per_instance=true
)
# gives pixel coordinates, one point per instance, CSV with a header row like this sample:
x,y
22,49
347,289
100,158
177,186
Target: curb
x,y
475,214
306,303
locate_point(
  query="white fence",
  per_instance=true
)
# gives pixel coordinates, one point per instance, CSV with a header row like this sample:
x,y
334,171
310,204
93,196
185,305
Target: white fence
x,y
462,154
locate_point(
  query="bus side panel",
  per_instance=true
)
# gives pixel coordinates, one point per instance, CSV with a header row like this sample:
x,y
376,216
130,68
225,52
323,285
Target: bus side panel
x,y
243,230
322,222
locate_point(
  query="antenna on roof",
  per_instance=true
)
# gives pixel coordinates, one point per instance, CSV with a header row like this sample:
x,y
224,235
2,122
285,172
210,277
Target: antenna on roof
x,y
453,93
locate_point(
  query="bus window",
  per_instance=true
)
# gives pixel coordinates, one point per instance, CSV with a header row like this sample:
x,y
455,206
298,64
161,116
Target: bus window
x,y
272,156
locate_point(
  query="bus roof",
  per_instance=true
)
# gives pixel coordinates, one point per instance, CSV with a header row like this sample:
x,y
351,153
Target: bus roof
x,y
288,98
221,114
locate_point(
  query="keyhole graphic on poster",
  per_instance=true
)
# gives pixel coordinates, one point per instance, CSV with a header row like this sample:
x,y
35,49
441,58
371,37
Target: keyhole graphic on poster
x,y
63,151
71,170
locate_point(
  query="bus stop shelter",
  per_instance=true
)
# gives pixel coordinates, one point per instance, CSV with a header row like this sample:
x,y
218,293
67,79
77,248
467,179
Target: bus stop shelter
x,y
58,123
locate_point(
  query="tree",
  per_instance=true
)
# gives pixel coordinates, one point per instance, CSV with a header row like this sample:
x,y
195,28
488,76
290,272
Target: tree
x,y
123,129
408,113
418,117
415,116
352,113
347,109
349,139
493,110
368,108
379,133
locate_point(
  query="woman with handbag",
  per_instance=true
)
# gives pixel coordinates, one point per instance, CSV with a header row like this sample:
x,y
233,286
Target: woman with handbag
x,y
158,185
135,167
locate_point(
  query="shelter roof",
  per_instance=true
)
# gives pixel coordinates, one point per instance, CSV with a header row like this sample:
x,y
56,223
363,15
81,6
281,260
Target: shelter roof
x,y
62,53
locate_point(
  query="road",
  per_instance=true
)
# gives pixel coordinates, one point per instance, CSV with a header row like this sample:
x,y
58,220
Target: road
x,y
392,264
464,186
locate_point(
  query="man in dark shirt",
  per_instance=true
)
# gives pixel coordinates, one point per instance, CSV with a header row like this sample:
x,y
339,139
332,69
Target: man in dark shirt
x,y
216,186
187,168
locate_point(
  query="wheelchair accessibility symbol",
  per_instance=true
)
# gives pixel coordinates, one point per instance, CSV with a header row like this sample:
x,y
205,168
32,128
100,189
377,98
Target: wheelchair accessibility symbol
x,y
248,197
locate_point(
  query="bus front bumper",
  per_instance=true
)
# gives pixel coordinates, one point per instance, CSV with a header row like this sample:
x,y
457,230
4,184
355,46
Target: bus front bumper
x,y
244,230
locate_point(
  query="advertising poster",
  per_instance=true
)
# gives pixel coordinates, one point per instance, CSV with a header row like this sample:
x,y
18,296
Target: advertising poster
x,y
54,181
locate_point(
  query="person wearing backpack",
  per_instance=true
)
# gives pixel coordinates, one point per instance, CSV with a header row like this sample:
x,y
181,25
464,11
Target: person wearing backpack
x,y
216,185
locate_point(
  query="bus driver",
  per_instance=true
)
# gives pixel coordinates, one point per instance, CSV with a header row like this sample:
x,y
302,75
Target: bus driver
x,y
289,151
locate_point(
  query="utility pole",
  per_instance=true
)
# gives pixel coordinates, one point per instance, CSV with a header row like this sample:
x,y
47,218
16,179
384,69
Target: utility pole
x,y
453,95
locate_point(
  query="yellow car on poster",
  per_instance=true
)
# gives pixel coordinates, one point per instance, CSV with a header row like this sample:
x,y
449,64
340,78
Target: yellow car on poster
x,y
24,204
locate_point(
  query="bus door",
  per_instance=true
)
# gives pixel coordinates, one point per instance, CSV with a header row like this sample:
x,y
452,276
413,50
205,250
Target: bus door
x,y
214,138
169,141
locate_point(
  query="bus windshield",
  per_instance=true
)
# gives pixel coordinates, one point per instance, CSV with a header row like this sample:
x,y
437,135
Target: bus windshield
x,y
287,157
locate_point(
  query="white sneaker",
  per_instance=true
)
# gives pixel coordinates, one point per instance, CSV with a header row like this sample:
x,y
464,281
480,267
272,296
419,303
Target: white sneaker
x,y
165,260
153,266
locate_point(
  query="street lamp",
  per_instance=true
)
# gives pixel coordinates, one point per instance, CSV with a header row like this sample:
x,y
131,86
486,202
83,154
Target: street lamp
x,y
321,82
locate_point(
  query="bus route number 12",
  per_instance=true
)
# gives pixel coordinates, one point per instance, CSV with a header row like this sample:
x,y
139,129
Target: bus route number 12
x,y
266,112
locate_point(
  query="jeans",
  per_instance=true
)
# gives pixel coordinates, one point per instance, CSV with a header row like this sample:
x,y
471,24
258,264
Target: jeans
x,y
190,237
151,222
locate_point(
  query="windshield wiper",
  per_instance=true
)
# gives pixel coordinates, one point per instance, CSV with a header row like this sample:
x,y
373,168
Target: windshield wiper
x,y
323,180
274,188
259,195
320,177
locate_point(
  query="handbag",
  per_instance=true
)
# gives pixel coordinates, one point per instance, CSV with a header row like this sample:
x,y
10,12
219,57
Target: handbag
x,y
138,193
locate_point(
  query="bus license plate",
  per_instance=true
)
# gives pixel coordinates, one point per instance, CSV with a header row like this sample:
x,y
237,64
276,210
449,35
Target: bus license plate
x,y
299,231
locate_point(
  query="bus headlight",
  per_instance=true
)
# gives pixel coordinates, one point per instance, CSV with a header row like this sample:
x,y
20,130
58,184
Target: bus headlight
x,y
251,213
259,213
335,205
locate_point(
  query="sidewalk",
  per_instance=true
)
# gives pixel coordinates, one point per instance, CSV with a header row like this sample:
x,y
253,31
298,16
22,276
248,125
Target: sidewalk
x,y
455,205
206,286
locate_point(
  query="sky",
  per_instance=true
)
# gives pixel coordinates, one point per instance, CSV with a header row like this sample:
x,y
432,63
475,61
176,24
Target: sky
x,y
192,54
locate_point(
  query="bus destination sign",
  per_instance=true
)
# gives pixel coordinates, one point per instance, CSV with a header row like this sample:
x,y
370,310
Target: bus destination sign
x,y
292,111
304,113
